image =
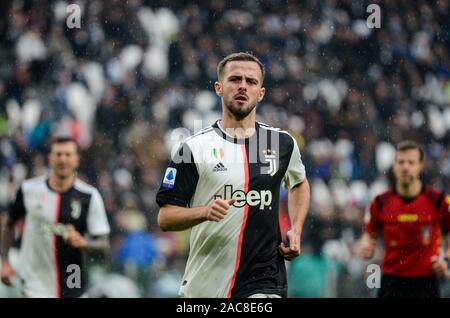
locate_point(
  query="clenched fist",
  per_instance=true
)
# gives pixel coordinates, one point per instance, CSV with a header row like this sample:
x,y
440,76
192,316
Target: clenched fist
x,y
217,210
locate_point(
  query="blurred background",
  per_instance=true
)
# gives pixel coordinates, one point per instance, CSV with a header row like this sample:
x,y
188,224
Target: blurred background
x,y
136,70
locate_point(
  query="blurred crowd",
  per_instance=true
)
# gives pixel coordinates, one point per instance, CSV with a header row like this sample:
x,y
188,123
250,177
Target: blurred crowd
x,y
137,70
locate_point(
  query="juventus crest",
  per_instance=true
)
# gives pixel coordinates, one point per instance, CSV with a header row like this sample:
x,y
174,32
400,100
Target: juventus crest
x,y
270,156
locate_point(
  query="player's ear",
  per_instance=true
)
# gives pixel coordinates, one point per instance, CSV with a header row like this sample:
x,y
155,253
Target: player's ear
x,y
262,92
218,88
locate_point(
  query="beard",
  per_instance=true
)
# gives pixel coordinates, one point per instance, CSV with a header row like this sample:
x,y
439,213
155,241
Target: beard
x,y
64,174
406,180
240,112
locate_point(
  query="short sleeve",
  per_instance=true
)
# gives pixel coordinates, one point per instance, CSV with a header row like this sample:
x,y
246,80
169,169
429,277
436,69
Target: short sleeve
x,y
372,222
97,221
295,172
179,180
17,210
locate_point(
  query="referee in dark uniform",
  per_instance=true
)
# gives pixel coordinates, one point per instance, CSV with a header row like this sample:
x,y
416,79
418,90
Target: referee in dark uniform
x,y
63,217
412,217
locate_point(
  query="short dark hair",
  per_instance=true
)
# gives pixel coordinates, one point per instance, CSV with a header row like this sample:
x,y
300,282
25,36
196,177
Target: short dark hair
x,y
410,145
240,56
63,140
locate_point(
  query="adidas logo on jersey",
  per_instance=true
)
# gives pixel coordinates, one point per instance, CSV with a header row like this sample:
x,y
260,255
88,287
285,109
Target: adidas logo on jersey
x,y
262,198
219,167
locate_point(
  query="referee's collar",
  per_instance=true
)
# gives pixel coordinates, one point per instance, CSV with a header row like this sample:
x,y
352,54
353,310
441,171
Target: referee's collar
x,y
410,199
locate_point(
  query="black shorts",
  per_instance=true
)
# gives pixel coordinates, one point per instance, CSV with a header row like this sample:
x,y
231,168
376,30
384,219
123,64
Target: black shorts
x,y
409,287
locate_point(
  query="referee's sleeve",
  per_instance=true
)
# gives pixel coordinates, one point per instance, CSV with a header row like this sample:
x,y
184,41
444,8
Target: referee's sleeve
x,y
295,172
372,224
17,210
179,180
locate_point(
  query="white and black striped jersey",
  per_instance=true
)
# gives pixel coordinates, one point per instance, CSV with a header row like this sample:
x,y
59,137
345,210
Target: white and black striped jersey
x,y
46,262
239,255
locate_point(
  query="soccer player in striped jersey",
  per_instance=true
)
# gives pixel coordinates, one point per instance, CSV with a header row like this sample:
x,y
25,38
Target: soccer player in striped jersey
x,y
64,216
223,183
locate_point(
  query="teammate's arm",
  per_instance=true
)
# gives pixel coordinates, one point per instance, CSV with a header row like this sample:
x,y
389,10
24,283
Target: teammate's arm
x,y
176,218
97,228
76,240
7,238
298,205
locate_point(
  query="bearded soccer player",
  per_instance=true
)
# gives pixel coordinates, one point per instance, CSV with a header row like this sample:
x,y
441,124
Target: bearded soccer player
x,y
64,217
224,184
412,218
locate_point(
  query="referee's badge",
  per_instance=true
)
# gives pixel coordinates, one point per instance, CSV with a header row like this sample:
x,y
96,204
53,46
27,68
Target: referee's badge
x,y
169,178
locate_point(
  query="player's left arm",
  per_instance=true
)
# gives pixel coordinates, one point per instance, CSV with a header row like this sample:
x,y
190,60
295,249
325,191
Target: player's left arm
x,y
298,202
76,240
298,205
97,228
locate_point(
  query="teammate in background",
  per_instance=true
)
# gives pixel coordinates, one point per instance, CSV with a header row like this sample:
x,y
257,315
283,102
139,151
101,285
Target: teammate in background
x,y
59,210
229,176
412,218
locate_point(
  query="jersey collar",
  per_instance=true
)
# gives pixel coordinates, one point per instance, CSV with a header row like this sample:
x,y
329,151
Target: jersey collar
x,y
222,133
410,199
53,190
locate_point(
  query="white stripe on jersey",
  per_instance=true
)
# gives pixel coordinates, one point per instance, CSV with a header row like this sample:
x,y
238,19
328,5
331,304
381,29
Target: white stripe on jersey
x,y
201,132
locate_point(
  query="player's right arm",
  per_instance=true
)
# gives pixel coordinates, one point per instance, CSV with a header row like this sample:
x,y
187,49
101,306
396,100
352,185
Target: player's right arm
x,y
177,189
372,227
367,245
177,218
16,212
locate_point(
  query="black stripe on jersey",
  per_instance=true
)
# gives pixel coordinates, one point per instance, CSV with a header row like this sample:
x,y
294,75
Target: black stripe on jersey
x,y
261,266
74,207
185,180
439,200
379,203
17,209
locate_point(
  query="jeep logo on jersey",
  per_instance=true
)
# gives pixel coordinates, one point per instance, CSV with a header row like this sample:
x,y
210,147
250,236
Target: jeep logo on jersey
x,y
262,198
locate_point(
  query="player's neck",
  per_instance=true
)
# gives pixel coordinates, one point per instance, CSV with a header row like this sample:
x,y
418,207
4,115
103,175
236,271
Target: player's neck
x,y
60,184
243,128
410,190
